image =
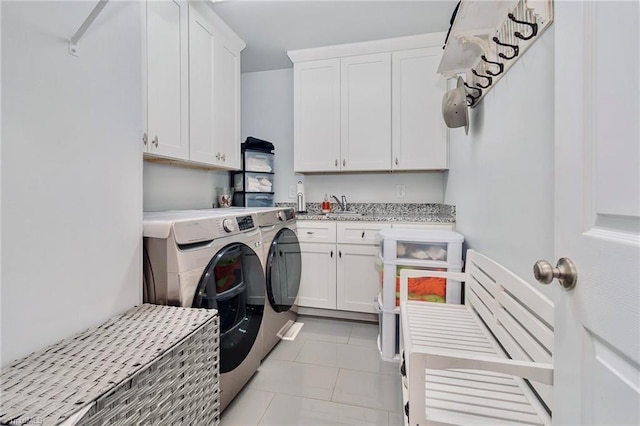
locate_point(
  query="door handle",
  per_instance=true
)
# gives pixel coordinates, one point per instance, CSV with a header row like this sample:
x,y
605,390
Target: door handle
x,y
331,253
145,139
155,141
340,254
565,271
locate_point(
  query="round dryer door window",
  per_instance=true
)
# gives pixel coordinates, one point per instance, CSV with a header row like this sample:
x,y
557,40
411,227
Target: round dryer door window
x,y
233,283
284,266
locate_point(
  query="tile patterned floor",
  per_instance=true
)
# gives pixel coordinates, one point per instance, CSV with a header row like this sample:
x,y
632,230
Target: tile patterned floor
x,y
331,374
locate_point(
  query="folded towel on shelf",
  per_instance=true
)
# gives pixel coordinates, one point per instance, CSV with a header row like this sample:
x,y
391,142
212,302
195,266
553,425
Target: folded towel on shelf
x,y
258,164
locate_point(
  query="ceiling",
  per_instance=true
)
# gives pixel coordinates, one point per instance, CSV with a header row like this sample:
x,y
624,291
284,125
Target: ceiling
x,y
270,28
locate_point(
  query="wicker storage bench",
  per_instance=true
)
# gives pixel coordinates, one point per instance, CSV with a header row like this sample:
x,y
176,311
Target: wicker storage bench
x,y
155,365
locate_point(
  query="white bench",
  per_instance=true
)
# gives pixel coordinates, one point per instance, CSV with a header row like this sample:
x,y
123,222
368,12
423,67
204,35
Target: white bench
x,y
467,364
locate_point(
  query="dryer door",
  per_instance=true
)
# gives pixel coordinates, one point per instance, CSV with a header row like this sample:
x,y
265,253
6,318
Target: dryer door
x,y
233,283
284,265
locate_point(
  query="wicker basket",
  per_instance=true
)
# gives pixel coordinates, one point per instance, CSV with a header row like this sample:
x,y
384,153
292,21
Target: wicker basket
x,y
151,365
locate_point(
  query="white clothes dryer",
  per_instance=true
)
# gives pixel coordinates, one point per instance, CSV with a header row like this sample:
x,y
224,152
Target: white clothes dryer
x,y
213,260
283,266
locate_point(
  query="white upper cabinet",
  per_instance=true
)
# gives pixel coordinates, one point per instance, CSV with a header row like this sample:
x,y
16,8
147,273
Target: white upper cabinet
x,y
420,137
348,99
227,103
193,85
214,94
167,79
317,115
365,112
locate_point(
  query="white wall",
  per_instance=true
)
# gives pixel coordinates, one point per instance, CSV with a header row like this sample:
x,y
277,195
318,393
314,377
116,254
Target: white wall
x,y
267,113
71,170
169,187
501,174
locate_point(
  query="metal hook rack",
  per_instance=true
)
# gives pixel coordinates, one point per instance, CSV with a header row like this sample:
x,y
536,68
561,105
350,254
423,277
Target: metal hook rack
x,y
73,41
487,38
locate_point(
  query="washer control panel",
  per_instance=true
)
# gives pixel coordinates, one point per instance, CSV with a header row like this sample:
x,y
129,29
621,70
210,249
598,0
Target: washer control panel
x,y
245,222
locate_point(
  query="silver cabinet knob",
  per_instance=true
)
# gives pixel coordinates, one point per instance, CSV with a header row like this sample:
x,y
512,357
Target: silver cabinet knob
x,y
344,162
145,139
336,162
155,141
217,156
224,157
565,271
396,161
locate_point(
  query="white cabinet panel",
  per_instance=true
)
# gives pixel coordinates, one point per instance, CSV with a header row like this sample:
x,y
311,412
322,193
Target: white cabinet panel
x,y
358,281
167,79
227,103
319,231
201,90
366,112
419,133
214,93
359,232
317,115
318,278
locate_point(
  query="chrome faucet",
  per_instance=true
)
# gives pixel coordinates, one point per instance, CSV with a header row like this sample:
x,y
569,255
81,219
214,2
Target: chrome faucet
x,y
343,205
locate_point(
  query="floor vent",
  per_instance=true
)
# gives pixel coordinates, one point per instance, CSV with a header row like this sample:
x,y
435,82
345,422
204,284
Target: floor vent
x,y
290,330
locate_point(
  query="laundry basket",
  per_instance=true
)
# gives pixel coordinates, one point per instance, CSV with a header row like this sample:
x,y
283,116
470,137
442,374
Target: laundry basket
x,y
150,365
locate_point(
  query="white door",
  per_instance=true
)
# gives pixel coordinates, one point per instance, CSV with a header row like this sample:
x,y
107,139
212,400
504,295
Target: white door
x,y
365,112
358,281
202,42
318,277
316,115
420,137
226,75
167,79
597,203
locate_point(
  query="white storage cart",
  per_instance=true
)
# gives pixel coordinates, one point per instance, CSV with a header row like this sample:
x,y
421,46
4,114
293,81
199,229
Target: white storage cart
x,y
414,249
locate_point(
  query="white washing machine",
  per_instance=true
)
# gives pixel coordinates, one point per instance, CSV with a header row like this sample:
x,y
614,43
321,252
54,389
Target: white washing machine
x,y
283,266
211,259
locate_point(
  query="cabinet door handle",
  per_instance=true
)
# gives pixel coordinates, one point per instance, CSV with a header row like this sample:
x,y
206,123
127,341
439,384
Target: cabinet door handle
x,y
331,253
145,139
224,157
310,232
340,254
217,156
396,161
336,162
344,162
155,141
362,234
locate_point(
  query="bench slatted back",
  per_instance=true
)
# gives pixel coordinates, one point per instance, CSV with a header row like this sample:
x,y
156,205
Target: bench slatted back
x,y
516,313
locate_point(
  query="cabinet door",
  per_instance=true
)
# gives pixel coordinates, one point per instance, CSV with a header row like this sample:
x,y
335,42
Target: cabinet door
x,y
358,280
318,277
316,109
419,133
226,79
167,79
366,112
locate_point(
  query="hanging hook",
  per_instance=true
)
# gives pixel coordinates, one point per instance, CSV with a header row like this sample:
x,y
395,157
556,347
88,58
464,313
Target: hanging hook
x,y
489,72
533,26
471,101
473,88
489,79
515,48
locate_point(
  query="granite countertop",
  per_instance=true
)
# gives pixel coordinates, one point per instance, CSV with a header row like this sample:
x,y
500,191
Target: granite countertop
x,y
382,212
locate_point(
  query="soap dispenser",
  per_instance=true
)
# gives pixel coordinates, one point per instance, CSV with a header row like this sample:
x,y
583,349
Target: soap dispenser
x,y
326,205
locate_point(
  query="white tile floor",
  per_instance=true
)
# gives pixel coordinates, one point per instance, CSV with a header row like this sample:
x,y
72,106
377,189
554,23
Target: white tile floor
x,y
331,374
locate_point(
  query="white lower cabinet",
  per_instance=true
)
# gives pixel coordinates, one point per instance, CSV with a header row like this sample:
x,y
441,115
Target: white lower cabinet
x,y
358,282
318,278
339,265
